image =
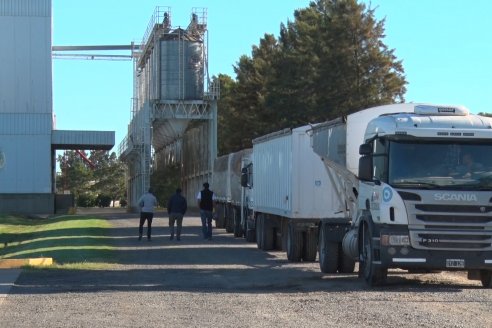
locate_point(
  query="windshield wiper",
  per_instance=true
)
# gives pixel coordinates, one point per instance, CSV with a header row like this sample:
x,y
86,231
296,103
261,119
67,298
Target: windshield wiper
x,y
417,184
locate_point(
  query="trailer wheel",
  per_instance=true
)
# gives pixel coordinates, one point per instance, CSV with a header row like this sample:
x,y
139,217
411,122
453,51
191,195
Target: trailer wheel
x,y
373,274
486,278
328,252
229,219
238,230
250,235
310,246
266,235
219,221
345,263
294,244
259,226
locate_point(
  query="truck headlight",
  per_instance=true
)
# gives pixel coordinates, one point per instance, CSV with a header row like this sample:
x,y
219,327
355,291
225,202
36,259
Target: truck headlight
x,y
395,240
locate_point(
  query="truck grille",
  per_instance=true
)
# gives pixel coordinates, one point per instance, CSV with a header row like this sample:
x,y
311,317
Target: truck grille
x,y
450,227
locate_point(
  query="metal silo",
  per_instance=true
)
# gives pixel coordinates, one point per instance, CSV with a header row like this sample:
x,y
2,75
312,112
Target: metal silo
x,y
171,91
182,66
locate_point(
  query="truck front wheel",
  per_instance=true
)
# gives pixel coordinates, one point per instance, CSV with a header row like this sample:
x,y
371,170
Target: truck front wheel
x,y
328,252
373,275
486,278
345,263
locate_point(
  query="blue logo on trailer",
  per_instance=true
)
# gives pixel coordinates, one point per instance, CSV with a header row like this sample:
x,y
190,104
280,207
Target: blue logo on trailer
x,y
387,194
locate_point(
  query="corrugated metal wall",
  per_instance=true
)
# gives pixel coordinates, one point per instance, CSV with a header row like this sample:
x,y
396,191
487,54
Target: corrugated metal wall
x,y
25,59
25,8
74,139
25,96
25,123
290,180
27,164
272,177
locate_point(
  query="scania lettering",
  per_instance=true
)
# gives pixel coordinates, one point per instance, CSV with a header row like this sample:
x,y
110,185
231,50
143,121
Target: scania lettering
x,y
457,197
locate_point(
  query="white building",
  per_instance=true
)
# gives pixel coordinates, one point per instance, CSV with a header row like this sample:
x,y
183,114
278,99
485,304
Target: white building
x,y
28,140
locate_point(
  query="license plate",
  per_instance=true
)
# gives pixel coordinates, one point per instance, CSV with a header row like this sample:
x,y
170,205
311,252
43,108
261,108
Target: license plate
x,y
455,263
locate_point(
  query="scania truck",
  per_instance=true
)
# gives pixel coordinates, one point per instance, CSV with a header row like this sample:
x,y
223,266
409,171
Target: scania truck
x,y
415,181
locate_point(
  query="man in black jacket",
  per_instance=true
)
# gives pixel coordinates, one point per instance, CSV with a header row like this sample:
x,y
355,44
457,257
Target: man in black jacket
x,y
176,208
206,203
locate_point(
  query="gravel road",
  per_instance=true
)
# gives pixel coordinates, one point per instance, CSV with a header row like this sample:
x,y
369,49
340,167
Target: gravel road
x,y
227,282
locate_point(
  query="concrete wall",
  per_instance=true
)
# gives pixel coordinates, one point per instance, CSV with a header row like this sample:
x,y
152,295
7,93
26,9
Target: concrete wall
x,y
27,203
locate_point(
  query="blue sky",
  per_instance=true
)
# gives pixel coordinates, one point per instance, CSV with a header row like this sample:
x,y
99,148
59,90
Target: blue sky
x,y
445,46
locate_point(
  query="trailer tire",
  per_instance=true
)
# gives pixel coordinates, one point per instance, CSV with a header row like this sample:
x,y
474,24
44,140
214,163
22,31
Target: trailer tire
x,y
267,240
345,263
229,219
219,221
250,235
294,244
373,275
328,252
259,226
310,246
486,278
238,230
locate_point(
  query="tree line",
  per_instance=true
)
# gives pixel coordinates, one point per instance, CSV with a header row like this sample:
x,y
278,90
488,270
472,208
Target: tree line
x,y
329,61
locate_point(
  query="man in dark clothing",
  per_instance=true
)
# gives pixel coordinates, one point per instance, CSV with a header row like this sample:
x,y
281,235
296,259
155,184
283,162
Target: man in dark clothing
x,y
176,208
206,203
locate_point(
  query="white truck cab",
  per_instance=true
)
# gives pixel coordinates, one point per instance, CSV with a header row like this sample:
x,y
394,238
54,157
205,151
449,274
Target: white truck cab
x,y
427,200
424,192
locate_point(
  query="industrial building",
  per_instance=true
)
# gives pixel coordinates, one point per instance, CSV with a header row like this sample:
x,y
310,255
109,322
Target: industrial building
x,y
171,90
28,136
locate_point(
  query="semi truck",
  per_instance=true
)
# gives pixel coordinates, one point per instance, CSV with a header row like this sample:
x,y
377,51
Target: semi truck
x,y
289,192
226,184
415,182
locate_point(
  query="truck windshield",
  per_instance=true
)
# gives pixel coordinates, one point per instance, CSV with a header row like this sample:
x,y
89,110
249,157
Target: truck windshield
x,y
463,166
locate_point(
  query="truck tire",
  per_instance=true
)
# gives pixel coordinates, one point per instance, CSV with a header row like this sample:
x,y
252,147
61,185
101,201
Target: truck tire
x,y
238,230
310,246
294,244
486,278
328,252
219,221
345,263
229,219
259,226
267,240
373,275
250,235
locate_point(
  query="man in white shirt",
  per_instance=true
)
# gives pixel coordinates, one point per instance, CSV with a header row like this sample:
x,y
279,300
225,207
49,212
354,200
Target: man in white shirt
x,y
147,203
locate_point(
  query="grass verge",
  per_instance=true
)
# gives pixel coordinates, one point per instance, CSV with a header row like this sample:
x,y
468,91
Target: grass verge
x,y
74,242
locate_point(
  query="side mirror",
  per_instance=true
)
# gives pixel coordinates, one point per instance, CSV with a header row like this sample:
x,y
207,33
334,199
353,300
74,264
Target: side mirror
x,y
365,168
365,149
244,177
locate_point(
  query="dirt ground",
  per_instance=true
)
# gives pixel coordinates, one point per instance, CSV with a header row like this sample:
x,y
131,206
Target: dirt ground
x,y
227,282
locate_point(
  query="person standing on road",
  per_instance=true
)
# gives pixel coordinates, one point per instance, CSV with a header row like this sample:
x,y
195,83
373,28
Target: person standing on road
x,y
206,203
176,208
147,203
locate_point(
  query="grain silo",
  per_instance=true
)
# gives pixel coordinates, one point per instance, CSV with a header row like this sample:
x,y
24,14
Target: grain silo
x,y
171,90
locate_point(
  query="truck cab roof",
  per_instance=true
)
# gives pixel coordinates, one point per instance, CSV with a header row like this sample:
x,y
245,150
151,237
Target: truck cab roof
x,y
431,121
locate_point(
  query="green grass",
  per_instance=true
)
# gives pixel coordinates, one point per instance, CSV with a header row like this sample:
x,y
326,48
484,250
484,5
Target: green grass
x,y
74,242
